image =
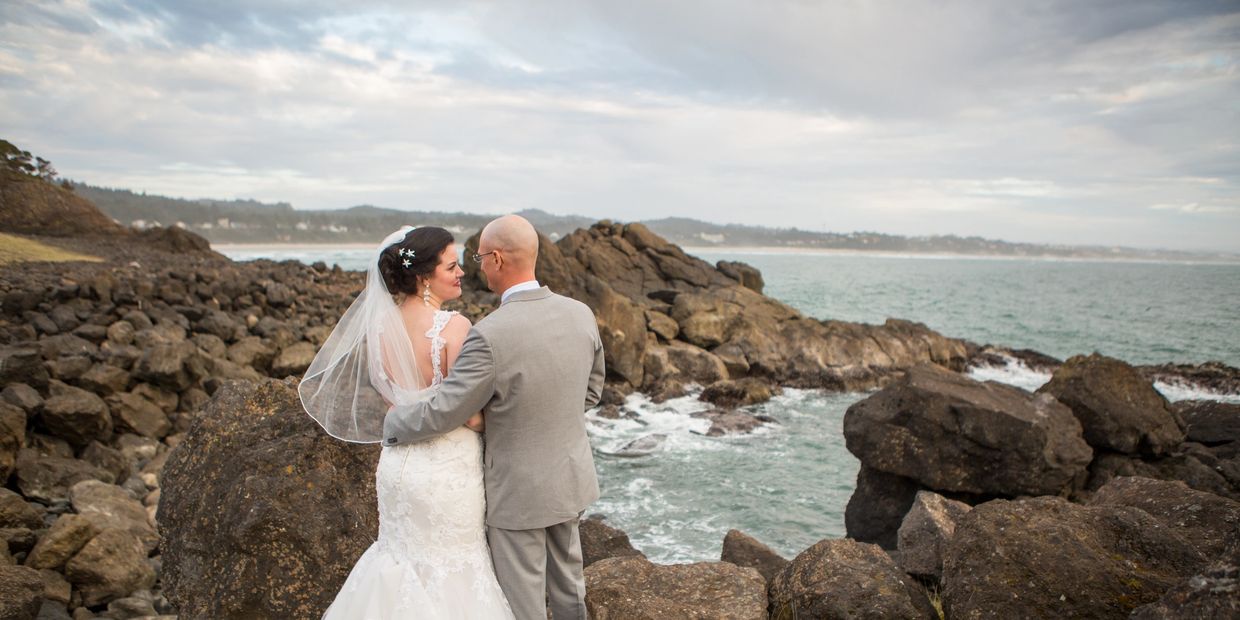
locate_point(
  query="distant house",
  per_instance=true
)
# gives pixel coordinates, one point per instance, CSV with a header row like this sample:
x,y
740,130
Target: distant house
x,y
709,238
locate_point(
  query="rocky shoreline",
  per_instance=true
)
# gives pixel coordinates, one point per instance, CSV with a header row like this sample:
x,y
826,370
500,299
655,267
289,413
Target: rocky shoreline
x,y
155,460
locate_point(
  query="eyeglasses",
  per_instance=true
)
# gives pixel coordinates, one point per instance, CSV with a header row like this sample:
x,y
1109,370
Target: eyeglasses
x,y
478,257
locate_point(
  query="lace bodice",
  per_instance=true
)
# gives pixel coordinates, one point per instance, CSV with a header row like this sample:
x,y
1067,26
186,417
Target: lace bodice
x,y
437,344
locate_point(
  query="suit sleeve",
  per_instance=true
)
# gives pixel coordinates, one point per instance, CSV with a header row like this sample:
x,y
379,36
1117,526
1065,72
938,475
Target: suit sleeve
x,y
467,388
594,390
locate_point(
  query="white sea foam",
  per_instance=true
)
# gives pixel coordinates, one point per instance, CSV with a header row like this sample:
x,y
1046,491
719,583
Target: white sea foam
x,y
1016,373
1183,391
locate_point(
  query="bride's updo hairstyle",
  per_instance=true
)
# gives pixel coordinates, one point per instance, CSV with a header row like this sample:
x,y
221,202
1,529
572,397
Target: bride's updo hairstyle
x,y
421,247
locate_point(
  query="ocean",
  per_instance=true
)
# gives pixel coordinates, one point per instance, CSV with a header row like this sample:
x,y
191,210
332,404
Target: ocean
x,y
787,485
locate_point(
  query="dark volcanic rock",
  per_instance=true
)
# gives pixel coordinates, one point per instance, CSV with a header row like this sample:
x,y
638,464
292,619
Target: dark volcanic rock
x,y
926,531
21,592
66,537
22,365
12,438
15,512
112,565
133,413
1119,409
48,478
75,415
845,579
1214,593
633,587
1209,421
877,506
1207,521
952,433
111,507
744,550
234,499
1213,376
748,276
1047,558
600,541
732,422
739,392
1184,467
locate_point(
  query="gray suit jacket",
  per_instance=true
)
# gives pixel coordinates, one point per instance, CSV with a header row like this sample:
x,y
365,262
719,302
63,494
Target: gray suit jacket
x,y
533,366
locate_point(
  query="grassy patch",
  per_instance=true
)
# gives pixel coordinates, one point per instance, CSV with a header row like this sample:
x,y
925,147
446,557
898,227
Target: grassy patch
x,y
21,250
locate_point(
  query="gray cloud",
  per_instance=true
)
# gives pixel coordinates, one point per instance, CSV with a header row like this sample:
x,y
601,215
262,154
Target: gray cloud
x,y
1104,122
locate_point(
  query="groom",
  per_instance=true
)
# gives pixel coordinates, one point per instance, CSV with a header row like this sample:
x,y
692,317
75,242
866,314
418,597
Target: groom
x,y
533,366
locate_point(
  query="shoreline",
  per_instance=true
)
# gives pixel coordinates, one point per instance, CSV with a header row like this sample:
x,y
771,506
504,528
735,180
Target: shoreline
x,y
784,250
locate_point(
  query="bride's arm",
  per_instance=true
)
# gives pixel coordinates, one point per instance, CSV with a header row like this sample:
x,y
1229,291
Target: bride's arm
x,y
454,335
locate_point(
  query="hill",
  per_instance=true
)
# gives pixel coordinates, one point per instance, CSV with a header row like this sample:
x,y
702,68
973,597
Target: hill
x,y
249,221
30,204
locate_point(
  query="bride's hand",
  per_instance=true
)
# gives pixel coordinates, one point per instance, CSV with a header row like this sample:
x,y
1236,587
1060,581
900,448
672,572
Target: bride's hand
x,y
476,422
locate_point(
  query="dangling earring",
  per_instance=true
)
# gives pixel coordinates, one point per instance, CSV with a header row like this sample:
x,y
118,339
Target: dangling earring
x,y
426,295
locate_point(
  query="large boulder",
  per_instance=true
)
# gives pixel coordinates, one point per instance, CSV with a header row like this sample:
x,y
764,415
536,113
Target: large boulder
x,y
1184,467
841,579
600,541
952,433
1047,558
744,550
1209,522
877,506
1209,421
1118,408
926,531
633,587
234,500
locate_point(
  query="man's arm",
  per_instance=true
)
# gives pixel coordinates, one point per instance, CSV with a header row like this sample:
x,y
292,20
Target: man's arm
x,y
468,387
594,390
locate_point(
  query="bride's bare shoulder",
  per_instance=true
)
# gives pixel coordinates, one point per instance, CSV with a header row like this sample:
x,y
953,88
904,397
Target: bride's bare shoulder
x,y
457,328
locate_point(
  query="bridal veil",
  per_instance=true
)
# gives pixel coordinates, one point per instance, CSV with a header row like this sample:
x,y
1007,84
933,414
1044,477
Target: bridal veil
x,y
366,365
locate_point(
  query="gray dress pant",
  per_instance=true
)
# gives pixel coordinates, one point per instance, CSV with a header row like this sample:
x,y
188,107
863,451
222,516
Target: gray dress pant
x,y
534,566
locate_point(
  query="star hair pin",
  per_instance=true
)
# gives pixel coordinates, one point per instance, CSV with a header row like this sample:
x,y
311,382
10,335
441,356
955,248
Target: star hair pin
x,y
409,254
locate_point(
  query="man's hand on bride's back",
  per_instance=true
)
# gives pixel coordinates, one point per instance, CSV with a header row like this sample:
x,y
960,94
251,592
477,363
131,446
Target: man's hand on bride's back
x,y
476,422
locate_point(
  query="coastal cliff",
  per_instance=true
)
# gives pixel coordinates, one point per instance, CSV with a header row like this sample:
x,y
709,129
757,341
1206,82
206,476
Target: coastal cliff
x,y
149,431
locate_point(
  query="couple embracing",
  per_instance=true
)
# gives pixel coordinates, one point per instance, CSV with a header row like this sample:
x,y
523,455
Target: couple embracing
x,y
465,532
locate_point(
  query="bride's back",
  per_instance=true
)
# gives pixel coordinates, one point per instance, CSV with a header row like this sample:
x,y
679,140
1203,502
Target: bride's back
x,y
419,319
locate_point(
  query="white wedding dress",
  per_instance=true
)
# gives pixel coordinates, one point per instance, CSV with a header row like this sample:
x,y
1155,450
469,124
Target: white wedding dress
x,y
431,559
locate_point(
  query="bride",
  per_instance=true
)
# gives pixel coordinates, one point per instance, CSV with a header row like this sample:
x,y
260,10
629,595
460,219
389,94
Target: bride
x,y
393,346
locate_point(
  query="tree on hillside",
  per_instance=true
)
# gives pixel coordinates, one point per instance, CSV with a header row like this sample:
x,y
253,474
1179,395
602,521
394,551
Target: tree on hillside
x,y
16,159
44,169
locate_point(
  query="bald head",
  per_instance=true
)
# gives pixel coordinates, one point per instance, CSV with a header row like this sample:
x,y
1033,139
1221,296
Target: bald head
x,y
516,237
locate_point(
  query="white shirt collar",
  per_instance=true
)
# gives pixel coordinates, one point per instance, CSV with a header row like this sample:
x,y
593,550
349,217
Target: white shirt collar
x,y
528,285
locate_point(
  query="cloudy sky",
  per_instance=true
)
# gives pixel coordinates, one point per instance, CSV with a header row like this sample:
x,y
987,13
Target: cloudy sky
x,y
1101,122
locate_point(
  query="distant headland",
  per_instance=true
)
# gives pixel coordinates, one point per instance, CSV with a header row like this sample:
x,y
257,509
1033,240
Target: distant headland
x,y
253,222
